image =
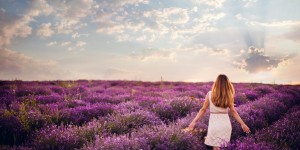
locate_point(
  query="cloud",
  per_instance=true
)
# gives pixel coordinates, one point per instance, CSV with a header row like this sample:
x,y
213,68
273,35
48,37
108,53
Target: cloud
x,y
52,43
282,23
153,54
197,26
113,28
227,38
219,51
70,13
18,65
114,23
249,3
65,43
67,17
211,17
194,48
45,30
213,3
80,44
289,72
200,48
126,22
149,25
107,24
257,61
112,17
173,53
12,26
170,15
293,34
117,4
131,2
117,73
155,24
77,35
39,7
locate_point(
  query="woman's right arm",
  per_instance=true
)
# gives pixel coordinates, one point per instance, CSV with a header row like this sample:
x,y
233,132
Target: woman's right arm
x,y
199,115
237,117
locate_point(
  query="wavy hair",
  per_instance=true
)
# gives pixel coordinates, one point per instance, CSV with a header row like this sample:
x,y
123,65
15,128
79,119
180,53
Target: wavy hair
x,y
222,92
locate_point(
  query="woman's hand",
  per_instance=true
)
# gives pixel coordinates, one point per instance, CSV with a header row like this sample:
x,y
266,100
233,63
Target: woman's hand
x,y
245,128
190,127
187,129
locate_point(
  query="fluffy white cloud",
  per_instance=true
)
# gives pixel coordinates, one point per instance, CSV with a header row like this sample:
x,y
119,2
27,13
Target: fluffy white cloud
x,y
110,16
154,24
45,30
203,24
69,14
108,24
18,26
39,7
12,27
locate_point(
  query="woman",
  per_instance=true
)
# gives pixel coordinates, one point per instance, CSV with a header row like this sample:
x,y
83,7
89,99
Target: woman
x,y
219,99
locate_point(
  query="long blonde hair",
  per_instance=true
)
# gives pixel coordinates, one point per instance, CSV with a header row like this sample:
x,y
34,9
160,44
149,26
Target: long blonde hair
x,y
222,92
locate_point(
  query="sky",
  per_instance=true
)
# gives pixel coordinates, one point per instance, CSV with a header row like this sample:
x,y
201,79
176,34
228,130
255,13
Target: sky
x,y
150,40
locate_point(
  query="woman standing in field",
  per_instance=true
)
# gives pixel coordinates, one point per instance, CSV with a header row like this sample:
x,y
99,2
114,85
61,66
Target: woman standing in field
x,y
219,99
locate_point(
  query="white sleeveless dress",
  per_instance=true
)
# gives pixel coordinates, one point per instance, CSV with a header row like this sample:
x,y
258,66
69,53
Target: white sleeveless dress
x,y
219,126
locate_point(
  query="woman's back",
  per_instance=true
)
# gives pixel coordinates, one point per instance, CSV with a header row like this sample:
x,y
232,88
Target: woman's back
x,y
219,126
213,108
219,100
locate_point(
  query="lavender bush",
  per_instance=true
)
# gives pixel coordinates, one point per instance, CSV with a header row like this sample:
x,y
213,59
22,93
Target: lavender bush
x,y
127,122
82,114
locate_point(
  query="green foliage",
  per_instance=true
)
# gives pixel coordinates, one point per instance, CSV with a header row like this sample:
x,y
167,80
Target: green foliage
x,y
23,116
67,84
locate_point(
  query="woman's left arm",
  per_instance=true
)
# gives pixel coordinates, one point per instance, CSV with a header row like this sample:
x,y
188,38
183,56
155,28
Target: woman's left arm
x,y
200,114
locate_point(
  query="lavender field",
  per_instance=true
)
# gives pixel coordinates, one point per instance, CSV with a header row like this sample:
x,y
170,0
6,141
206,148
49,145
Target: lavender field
x,y
133,115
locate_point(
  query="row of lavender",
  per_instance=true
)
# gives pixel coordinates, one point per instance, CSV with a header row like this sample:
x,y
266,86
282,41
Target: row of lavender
x,y
282,134
59,115
258,114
